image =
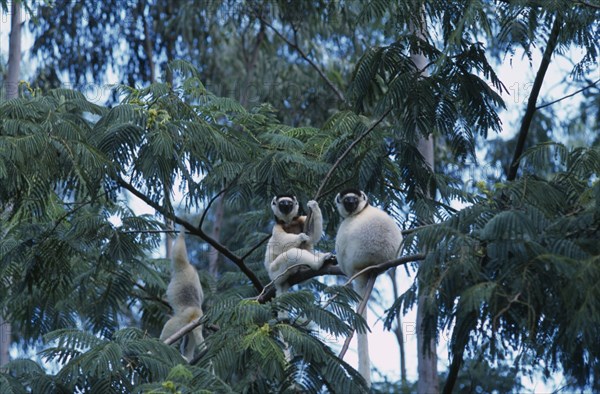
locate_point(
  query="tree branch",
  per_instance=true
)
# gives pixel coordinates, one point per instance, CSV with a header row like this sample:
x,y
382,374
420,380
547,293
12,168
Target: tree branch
x,y
210,202
256,247
347,151
194,230
329,269
183,331
294,45
304,273
568,95
585,3
379,268
148,45
459,341
535,92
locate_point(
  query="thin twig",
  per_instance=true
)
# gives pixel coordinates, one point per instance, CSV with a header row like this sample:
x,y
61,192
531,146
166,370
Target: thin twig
x,y
151,296
255,247
210,202
378,269
183,331
302,275
334,188
347,151
585,3
150,232
568,95
294,45
413,229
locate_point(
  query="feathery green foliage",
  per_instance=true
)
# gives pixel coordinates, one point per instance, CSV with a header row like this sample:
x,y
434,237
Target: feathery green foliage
x,y
269,98
519,269
73,254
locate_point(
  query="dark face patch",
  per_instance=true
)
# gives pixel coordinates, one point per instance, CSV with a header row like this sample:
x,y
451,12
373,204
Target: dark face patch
x,y
350,203
285,206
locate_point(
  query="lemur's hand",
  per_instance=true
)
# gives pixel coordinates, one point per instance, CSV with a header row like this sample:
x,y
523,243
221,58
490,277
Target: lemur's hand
x,y
303,237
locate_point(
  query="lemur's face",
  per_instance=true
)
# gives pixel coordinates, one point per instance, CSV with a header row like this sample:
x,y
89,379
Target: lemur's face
x,y
285,207
350,202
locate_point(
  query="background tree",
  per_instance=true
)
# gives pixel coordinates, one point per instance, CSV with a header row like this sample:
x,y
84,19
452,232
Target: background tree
x,y
11,86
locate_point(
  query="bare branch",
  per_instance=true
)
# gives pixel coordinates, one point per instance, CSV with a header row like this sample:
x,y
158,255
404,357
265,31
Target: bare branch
x,y
568,95
194,230
210,202
413,229
328,269
347,151
304,273
535,92
256,247
587,4
183,331
379,268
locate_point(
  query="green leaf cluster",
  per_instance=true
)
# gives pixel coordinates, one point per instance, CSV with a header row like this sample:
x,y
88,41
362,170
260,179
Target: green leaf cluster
x,y
519,269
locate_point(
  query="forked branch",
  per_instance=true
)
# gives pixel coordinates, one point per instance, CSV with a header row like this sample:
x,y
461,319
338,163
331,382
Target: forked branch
x,y
194,230
303,55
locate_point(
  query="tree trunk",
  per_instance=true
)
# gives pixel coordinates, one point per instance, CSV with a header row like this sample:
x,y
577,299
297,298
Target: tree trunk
x,y
426,353
170,39
12,91
14,51
5,339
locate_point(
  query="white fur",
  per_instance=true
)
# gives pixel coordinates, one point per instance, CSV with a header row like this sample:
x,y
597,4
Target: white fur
x,y
285,250
366,236
185,296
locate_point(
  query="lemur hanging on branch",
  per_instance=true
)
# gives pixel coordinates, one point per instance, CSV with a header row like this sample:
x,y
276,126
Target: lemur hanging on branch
x,y
289,245
367,236
185,297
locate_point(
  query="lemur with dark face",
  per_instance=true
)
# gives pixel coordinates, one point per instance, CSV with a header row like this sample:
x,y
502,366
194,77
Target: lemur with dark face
x,y
366,236
185,297
289,245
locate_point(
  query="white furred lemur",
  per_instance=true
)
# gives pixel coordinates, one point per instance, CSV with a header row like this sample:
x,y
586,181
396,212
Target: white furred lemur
x,y
185,296
367,236
289,245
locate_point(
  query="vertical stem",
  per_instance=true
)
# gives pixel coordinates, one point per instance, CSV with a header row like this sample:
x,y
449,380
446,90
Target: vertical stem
x,y
14,51
170,38
426,352
5,339
12,91
148,45
531,102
